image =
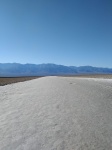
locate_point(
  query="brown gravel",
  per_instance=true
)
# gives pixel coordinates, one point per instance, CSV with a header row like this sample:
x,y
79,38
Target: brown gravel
x,y
10,80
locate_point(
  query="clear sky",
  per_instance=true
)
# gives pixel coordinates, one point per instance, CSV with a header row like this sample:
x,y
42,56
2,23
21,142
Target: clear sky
x,y
67,32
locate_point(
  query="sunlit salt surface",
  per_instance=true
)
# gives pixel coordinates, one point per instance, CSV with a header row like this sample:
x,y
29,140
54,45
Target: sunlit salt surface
x,y
56,113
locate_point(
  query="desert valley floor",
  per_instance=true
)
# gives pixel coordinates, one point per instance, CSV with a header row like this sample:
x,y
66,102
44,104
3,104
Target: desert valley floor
x,y
56,113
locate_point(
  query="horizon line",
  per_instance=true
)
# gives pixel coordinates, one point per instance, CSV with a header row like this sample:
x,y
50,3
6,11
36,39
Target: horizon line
x,y
54,64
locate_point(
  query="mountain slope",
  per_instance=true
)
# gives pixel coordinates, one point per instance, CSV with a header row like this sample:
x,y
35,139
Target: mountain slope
x,y
16,69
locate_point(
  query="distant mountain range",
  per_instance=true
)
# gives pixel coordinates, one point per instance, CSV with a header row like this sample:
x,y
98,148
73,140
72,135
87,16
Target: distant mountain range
x,y
16,69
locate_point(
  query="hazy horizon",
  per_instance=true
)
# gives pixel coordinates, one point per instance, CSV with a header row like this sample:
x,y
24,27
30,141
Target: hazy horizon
x,y
66,32
55,64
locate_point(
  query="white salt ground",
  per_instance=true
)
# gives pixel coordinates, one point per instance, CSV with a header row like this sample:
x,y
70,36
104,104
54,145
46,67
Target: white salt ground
x,y
56,113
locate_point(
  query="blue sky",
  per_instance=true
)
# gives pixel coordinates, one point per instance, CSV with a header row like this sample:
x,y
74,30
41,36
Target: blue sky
x,y
67,32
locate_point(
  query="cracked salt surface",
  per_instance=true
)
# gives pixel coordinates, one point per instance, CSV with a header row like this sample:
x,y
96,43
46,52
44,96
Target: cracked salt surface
x,y
51,114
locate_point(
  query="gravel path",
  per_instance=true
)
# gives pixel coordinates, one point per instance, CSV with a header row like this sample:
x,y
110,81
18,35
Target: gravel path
x,y
56,113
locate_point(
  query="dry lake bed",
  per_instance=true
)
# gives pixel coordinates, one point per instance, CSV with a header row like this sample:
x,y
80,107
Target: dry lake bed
x,y
56,113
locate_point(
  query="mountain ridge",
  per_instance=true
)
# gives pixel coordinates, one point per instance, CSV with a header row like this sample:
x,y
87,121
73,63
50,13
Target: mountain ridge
x,y
17,69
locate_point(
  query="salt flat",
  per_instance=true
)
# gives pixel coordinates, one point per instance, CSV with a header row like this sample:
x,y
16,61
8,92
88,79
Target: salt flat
x,y
56,113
